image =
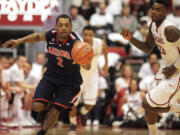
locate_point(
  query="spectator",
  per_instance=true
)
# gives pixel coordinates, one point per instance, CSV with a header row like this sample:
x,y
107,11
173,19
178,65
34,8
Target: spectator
x,y
126,20
4,91
138,7
126,76
37,67
121,87
133,111
141,35
86,9
30,80
101,21
175,16
134,97
145,69
17,79
78,21
147,17
114,7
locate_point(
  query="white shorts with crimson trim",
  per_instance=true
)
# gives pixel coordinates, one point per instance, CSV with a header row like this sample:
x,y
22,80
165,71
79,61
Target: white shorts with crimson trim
x,y
166,92
89,89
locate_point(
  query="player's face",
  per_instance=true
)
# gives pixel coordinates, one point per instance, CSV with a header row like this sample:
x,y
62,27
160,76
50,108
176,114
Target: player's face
x,y
159,12
63,27
88,36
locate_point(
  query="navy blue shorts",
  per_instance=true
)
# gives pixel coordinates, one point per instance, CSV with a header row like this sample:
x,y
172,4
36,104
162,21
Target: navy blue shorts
x,y
59,95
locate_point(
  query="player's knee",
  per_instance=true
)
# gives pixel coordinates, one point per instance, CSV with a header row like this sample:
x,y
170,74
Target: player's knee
x,y
151,118
54,112
37,107
146,106
73,112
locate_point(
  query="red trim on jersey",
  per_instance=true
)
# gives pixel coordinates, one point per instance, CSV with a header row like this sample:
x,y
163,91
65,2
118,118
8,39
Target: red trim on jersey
x,y
75,97
72,37
57,40
63,41
61,105
53,32
178,86
38,99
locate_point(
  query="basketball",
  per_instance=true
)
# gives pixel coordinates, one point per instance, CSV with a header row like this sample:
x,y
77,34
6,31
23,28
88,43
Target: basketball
x,y
82,53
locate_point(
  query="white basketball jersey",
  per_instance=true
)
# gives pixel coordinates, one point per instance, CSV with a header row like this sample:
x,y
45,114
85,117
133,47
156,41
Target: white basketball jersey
x,y
170,51
97,47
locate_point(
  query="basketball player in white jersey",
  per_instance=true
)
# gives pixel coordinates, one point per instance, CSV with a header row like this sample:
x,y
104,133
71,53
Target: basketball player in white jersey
x,y
163,97
89,88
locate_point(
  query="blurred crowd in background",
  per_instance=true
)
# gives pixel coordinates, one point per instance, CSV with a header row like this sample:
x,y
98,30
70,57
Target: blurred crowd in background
x,y
130,70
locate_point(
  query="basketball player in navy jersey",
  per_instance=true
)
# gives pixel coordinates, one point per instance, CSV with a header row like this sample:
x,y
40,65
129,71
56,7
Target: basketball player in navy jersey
x,y
61,81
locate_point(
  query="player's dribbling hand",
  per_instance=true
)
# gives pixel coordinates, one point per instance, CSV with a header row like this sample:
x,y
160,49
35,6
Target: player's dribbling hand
x,y
126,34
11,42
169,71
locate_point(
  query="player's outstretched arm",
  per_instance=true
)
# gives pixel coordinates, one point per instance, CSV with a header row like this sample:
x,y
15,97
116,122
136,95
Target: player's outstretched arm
x,y
146,46
32,38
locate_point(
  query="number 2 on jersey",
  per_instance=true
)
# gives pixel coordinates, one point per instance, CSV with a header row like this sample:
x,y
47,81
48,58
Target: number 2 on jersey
x,y
60,60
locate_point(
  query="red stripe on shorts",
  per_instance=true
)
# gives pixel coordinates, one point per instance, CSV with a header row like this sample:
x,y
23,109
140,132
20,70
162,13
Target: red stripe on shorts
x,y
38,99
61,105
75,97
178,86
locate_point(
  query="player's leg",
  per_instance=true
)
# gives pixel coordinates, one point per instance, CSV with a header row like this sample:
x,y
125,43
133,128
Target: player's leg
x,y
158,100
73,118
90,93
65,97
43,94
86,108
51,118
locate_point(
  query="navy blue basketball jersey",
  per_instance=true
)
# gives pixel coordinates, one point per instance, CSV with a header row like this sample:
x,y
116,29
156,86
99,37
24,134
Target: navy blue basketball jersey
x,y
60,63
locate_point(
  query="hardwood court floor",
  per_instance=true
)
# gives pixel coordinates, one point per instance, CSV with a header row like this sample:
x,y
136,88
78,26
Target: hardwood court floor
x,y
90,131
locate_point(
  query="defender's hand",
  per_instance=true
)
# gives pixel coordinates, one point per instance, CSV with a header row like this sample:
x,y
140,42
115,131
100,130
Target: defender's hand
x,y
126,34
169,71
11,42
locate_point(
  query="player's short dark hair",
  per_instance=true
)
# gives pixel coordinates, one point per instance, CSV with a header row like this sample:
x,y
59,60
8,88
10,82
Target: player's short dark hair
x,y
88,27
64,16
165,3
